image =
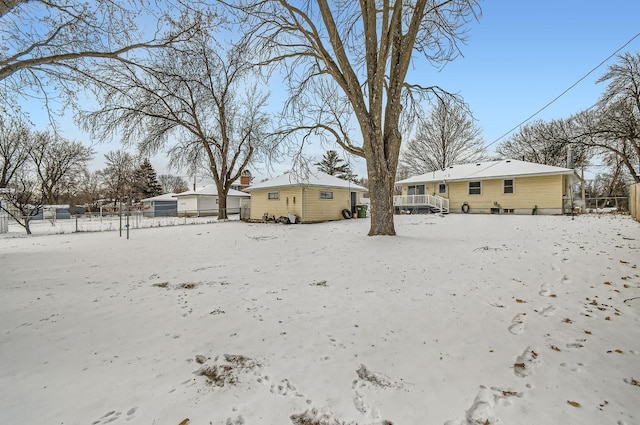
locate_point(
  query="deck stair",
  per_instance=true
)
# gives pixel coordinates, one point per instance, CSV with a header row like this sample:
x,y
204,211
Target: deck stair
x,y
421,203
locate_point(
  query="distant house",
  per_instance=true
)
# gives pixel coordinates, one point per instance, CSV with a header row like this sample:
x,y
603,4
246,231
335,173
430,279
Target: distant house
x,y
161,206
204,201
313,198
505,186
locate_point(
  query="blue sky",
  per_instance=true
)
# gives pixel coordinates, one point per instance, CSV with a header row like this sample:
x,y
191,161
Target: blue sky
x,y
522,54
519,57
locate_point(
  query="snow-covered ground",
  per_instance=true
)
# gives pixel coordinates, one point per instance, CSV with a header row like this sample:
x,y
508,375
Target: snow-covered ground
x,y
464,319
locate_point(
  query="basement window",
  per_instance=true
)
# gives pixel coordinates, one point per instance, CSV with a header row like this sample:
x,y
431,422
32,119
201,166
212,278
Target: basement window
x,y
273,195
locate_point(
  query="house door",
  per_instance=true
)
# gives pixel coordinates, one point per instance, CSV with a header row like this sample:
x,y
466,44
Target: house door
x,y
354,198
415,190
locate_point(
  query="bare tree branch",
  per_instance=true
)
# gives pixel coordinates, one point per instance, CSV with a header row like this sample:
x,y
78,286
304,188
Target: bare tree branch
x,y
191,92
347,61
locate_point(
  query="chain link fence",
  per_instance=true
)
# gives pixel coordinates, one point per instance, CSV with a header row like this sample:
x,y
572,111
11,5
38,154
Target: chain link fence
x,y
96,222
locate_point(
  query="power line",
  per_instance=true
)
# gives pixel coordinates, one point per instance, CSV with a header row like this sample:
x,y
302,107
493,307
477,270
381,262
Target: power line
x,y
565,92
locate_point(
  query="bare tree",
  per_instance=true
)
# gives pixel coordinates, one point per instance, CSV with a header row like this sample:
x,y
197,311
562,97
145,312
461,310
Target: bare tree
x,y
172,184
51,46
21,194
90,190
546,143
38,169
446,137
23,200
57,163
14,139
204,97
346,60
614,126
118,175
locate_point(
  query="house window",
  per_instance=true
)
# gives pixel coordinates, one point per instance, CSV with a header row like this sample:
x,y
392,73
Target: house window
x,y
415,190
442,188
475,188
508,186
273,195
326,194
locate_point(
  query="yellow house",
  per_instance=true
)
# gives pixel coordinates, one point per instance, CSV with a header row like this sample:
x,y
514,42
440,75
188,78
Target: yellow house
x,y
499,187
313,198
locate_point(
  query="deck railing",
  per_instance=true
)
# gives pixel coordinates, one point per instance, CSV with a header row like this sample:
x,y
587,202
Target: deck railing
x,y
434,201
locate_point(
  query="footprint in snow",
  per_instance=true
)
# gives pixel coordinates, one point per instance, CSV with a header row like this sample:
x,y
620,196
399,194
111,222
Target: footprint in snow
x,y
360,403
285,388
482,411
525,362
545,290
548,311
107,418
517,324
131,413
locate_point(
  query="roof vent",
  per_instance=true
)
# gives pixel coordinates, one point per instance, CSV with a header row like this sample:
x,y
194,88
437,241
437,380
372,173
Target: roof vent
x,y
478,164
508,160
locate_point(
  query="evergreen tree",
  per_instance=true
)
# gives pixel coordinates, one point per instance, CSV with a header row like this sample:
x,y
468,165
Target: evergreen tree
x,y
333,165
145,181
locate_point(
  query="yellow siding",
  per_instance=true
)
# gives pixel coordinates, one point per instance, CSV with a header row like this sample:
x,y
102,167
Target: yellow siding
x,y
303,202
316,209
290,202
545,192
429,189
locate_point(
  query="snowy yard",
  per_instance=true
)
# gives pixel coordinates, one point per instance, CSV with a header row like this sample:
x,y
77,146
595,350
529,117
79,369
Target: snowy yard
x,y
458,320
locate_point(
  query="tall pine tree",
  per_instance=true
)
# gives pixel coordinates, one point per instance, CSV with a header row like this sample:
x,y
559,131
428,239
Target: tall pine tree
x,y
145,181
333,165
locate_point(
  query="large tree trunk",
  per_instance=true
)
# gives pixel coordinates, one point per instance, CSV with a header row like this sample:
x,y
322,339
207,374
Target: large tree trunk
x,y
381,168
222,203
381,195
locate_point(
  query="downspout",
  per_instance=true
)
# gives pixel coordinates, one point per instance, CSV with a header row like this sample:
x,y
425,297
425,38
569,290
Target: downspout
x,y
304,212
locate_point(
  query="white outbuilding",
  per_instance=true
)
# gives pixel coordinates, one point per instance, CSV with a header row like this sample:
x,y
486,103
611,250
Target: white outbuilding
x,y
204,201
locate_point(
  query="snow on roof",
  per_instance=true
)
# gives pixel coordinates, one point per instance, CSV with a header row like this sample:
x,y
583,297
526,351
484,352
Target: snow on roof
x,y
212,190
165,197
487,170
317,178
